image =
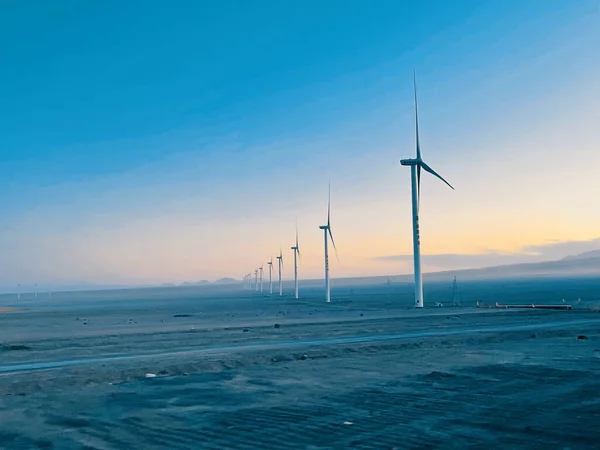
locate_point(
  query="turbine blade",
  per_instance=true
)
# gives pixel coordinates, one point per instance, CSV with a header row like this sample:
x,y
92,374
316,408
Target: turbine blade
x,y
426,168
416,115
333,243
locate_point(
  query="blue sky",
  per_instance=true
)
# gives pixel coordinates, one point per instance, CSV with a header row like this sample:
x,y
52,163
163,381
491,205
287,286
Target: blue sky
x,y
176,141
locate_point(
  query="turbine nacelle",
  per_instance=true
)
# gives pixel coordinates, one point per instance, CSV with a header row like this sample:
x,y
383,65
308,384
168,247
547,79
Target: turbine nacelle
x,y
409,162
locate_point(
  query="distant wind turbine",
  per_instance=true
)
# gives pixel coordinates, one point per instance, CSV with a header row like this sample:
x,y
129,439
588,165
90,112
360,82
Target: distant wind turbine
x,y
280,267
416,165
296,256
327,230
270,263
261,277
256,280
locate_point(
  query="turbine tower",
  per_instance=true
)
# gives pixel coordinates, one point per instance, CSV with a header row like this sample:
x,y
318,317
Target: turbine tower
x,y
327,229
456,294
280,266
296,257
256,280
270,263
261,277
416,165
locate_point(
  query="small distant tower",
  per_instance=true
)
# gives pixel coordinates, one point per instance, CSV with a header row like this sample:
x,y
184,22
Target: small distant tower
x,y
455,294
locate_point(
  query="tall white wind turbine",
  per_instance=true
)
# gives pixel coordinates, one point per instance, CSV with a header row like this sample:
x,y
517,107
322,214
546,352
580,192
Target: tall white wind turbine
x,y
416,165
280,266
261,277
270,263
296,250
327,230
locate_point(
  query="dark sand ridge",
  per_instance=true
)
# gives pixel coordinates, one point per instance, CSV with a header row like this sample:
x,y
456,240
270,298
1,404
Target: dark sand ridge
x,y
277,345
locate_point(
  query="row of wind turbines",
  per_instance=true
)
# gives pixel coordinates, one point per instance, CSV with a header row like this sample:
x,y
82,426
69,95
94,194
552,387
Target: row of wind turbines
x,y
258,272
415,164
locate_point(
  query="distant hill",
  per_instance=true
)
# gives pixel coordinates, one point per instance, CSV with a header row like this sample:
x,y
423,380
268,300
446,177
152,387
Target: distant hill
x,y
206,282
587,263
584,264
226,281
586,255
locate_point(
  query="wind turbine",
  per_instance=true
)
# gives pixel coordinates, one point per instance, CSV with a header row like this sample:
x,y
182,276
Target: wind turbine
x,y
327,229
261,277
296,256
270,263
416,165
280,266
256,280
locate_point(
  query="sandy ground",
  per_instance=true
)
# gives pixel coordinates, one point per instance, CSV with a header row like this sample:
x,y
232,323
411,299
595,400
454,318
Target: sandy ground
x,y
365,373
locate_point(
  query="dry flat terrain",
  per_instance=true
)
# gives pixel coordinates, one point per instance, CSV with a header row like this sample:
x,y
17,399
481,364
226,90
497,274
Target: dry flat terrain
x,y
237,369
